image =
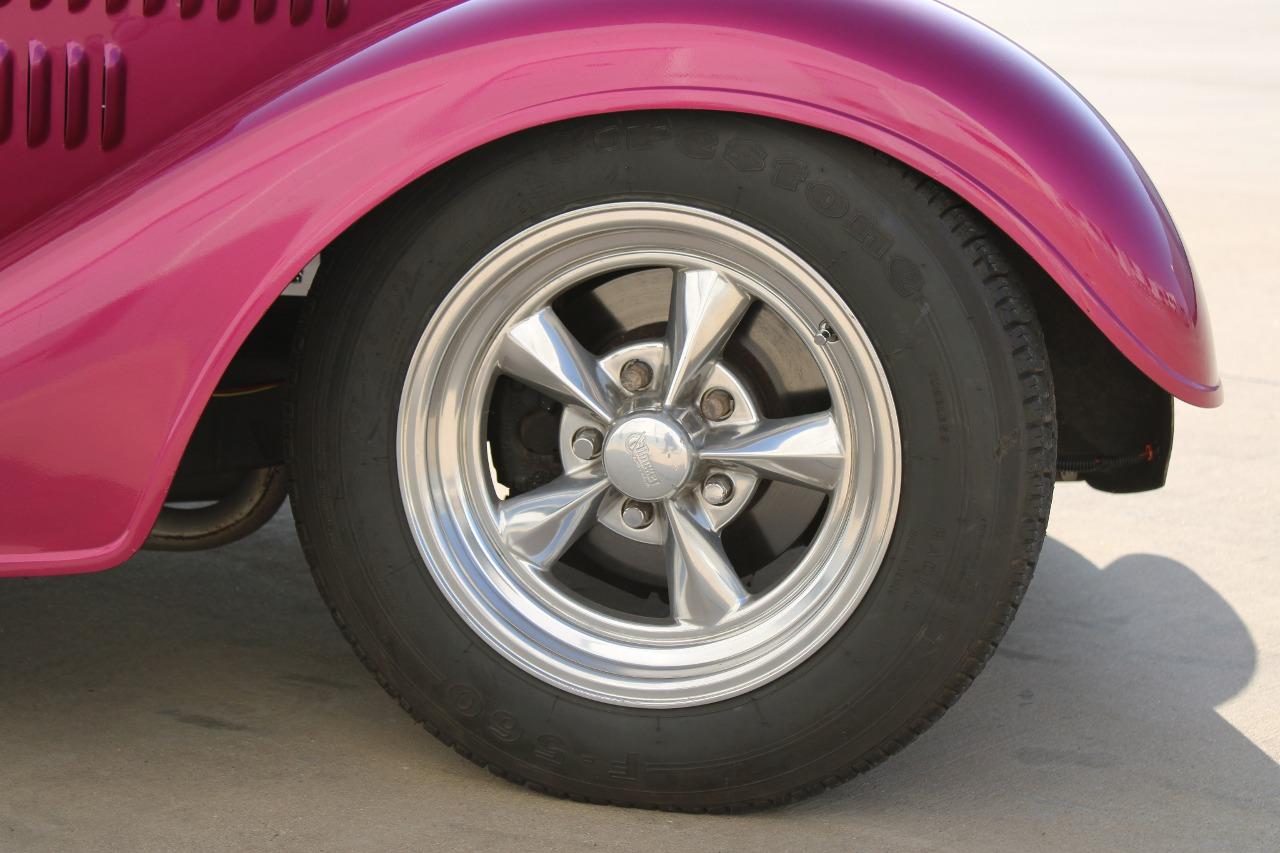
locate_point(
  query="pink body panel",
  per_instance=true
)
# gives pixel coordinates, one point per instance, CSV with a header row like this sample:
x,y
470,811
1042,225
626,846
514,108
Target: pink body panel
x,y
127,287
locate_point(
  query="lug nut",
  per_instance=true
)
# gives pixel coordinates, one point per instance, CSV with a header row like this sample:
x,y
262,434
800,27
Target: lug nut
x,y
636,375
637,515
717,490
587,443
717,404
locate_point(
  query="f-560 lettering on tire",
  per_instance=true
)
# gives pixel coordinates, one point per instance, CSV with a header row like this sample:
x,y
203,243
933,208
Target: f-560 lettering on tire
x,y
682,460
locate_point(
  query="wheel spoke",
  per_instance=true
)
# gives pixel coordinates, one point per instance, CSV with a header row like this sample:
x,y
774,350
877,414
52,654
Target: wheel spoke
x,y
541,525
703,586
705,309
541,352
806,450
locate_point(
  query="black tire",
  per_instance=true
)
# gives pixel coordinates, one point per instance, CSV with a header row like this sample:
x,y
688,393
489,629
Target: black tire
x,y
928,279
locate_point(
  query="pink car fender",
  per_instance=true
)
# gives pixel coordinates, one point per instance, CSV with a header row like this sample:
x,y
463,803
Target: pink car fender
x,y
126,288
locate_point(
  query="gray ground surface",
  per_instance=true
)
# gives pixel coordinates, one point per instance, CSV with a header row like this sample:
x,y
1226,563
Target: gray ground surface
x,y
207,702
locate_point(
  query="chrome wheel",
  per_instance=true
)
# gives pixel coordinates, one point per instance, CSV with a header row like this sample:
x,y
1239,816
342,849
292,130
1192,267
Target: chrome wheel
x,y
663,442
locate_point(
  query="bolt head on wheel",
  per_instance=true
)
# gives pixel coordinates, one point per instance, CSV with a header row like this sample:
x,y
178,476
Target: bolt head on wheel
x,y
587,443
717,490
637,514
636,375
717,404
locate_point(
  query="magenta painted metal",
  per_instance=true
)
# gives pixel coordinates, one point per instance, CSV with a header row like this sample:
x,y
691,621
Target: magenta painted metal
x,y
230,152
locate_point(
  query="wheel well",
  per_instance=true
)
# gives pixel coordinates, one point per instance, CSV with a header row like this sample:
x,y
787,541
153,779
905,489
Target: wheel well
x,y
1114,424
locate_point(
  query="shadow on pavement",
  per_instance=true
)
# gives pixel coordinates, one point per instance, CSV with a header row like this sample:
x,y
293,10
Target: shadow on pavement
x,y
1100,704
1096,717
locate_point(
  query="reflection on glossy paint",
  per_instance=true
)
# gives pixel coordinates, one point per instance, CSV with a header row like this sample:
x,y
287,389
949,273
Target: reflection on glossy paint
x,y
239,152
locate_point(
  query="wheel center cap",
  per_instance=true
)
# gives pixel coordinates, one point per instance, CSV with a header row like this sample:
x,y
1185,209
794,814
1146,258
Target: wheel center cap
x,y
647,457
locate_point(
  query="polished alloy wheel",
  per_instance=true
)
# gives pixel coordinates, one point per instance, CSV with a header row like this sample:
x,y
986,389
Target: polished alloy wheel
x,y
663,442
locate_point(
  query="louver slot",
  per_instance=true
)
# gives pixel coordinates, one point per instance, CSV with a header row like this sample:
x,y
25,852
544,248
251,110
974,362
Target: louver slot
x,y
113,69
336,12
76,123
39,96
6,89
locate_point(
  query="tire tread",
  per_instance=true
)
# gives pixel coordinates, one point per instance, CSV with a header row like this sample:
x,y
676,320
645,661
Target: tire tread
x,y
1007,296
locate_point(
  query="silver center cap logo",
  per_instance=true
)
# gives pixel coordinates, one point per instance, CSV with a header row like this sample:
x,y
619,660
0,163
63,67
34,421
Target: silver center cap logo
x,y
647,457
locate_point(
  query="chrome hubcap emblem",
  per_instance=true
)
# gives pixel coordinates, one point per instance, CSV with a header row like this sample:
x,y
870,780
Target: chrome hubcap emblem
x,y
647,457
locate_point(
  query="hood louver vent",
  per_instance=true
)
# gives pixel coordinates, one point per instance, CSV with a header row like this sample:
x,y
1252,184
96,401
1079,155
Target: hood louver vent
x,y
78,103
335,11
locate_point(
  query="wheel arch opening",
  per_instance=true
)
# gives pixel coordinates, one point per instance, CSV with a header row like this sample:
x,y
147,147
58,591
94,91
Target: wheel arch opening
x,y
1115,424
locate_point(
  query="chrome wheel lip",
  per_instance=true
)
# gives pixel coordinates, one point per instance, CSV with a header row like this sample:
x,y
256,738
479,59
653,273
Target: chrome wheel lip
x,y
589,652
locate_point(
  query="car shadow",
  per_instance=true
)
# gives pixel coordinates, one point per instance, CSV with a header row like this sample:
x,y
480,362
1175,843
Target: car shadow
x,y
1098,713
1097,718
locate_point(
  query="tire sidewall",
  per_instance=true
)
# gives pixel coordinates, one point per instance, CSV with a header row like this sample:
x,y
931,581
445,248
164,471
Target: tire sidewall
x,y
880,236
